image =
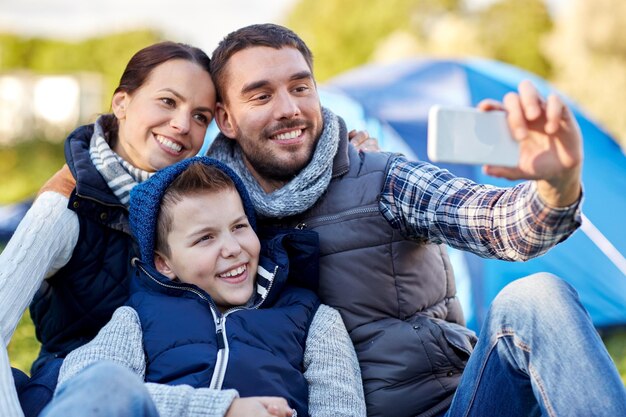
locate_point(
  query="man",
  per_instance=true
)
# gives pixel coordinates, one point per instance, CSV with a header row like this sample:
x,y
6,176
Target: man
x,y
381,220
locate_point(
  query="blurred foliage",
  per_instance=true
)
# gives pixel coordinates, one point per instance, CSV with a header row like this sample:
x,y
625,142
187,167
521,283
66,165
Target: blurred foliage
x,y
512,31
107,55
615,342
26,166
344,34
588,51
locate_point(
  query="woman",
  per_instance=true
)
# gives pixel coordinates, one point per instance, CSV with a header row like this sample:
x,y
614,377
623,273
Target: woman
x,y
75,242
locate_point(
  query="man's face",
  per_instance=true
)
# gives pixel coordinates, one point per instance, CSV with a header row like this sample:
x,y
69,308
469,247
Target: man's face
x,y
271,108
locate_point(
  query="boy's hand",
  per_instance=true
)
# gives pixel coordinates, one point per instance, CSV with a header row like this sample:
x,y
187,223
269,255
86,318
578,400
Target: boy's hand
x,y
260,406
277,406
362,142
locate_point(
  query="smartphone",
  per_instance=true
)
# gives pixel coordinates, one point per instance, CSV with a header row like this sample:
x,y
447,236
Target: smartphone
x,y
465,135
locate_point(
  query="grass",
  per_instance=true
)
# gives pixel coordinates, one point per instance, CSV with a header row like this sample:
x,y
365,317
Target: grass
x,y
615,343
24,347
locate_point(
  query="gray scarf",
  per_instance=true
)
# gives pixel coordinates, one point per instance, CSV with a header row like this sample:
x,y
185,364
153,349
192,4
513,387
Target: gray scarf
x,y
119,174
299,194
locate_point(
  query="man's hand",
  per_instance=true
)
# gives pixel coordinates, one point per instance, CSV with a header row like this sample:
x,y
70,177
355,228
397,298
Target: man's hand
x,y
260,406
550,144
362,142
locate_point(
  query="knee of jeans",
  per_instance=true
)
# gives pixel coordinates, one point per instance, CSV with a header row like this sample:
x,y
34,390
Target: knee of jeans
x,y
110,373
540,293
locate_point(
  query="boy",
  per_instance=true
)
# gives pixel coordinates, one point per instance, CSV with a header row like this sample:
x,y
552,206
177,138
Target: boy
x,y
200,316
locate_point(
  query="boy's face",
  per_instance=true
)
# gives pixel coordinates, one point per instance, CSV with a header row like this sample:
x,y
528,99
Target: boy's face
x,y
213,246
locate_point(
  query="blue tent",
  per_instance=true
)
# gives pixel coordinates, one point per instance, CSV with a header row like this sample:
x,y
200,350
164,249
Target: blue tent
x,y
392,102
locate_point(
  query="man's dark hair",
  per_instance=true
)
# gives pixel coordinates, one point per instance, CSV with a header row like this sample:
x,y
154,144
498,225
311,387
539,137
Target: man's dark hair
x,y
267,34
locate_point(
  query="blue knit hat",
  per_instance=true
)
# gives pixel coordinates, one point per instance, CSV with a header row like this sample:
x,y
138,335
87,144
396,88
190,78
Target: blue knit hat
x,y
145,202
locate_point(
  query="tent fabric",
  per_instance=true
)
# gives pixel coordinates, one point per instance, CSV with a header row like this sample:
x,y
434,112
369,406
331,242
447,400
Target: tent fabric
x,y
398,97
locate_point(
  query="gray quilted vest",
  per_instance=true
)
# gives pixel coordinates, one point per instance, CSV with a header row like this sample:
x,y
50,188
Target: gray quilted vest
x,y
396,296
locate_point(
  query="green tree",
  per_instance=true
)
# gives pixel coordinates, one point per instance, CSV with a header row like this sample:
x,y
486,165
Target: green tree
x,y
344,34
588,51
107,55
26,166
513,30
11,51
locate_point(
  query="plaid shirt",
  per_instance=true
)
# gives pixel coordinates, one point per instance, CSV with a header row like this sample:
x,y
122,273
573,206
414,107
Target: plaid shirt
x,y
430,204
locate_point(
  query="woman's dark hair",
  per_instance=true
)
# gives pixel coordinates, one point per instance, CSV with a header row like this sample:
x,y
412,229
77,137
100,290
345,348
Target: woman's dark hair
x,y
147,59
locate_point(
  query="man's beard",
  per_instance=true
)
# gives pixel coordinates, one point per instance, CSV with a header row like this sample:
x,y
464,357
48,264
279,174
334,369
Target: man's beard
x,y
263,160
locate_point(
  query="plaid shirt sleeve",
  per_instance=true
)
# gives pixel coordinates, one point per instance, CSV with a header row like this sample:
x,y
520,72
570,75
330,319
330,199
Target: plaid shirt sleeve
x,y
430,204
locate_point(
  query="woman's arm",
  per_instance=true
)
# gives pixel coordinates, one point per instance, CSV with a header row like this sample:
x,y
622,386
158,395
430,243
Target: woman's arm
x,y
331,368
42,244
9,403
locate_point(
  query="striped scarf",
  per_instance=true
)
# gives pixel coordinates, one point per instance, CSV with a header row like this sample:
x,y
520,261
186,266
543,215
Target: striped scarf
x,y
119,174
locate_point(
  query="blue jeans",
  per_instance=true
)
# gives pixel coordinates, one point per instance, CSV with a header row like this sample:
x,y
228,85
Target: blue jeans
x,y
104,389
539,354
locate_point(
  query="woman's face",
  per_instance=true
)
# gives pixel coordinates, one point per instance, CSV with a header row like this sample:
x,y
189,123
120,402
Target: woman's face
x,y
164,121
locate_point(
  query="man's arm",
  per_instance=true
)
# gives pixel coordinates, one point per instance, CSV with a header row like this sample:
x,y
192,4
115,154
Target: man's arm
x,y
332,369
430,204
121,341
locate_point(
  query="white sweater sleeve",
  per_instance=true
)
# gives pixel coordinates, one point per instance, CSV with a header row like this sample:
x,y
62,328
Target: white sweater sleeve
x,y
42,244
332,368
9,403
121,341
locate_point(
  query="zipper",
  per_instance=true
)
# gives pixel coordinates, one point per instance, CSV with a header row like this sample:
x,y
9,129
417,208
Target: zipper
x,y
221,361
317,221
220,329
176,287
223,352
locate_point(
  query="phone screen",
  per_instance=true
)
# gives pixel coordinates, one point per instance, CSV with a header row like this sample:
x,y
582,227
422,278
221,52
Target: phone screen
x,y
470,136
